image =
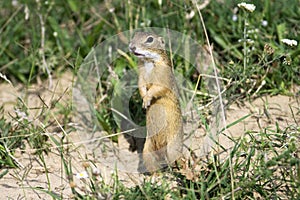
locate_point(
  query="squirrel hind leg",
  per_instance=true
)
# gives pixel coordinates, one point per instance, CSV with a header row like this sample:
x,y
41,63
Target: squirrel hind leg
x,y
154,159
149,157
174,149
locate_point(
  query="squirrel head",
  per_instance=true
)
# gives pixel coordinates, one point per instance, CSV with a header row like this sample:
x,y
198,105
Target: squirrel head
x,y
147,45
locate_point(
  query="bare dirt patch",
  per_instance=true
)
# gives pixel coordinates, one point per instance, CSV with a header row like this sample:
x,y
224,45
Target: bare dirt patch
x,y
29,181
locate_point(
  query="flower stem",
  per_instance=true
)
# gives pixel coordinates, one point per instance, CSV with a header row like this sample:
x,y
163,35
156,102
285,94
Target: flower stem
x,y
245,45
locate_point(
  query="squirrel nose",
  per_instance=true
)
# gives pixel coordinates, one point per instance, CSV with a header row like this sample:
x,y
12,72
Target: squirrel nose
x,y
132,48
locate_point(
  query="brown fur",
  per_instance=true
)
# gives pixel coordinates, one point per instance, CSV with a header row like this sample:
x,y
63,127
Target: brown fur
x,y
157,87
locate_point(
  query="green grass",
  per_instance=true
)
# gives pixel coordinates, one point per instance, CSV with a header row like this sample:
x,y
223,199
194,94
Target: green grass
x,y
40,41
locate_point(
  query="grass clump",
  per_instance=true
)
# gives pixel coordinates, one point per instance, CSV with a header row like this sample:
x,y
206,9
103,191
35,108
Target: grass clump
x,y
10,140
251,50
266,165
17,134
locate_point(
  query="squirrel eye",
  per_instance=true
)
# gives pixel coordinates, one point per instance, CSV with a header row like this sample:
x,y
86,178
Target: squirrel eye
x,y
149,39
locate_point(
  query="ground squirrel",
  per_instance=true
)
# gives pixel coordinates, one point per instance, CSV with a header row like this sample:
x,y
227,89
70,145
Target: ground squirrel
x,y
157,87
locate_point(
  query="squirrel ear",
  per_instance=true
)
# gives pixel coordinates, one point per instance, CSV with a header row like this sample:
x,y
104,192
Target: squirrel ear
x,y
162,41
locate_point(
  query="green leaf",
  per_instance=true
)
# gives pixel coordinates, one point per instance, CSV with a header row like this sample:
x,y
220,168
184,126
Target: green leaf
x,y
236,122
2,174
73,5
281,29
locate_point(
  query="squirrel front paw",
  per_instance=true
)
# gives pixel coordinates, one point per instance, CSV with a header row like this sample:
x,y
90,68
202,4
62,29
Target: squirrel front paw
x,y
146,101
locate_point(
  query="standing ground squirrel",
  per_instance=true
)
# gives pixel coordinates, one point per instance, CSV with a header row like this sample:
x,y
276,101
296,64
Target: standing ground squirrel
x,y
157,87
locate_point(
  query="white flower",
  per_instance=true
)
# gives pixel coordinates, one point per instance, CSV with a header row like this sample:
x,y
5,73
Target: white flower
x,y
290,42
82,175
111,10
55,34
247,6
234,18
264,23
14,3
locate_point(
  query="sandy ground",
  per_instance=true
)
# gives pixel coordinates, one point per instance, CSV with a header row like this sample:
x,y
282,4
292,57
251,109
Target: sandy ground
x,y
28,181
